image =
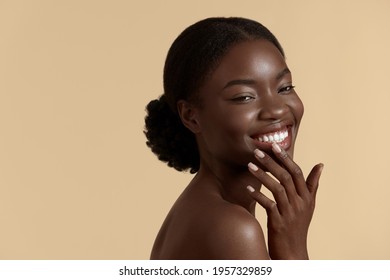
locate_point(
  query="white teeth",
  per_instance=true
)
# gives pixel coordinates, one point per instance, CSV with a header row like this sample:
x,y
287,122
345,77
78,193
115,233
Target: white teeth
x,y
274,137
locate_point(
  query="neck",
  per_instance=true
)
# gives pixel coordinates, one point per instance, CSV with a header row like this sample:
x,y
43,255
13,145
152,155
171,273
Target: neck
x,y
231,183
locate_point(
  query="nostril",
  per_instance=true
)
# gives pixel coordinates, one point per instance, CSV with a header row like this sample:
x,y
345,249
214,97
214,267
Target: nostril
x,y
273,110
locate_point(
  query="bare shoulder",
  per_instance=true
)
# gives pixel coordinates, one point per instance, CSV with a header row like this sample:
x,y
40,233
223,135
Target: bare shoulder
x,y
236,234
205,226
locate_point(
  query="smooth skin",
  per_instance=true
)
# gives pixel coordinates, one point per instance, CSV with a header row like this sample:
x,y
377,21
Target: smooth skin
x,y
250,93
292,211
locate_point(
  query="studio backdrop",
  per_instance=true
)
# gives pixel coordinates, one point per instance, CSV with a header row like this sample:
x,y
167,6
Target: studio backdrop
x,y
77,180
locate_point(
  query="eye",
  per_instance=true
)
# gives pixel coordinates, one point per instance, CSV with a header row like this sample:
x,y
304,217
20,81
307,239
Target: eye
x,y
242,99
286,90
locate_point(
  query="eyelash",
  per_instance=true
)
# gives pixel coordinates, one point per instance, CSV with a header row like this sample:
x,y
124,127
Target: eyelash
x,y
247,98
286,89
242,99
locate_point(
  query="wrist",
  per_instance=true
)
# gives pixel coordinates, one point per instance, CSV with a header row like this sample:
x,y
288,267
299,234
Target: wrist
x,y
300,254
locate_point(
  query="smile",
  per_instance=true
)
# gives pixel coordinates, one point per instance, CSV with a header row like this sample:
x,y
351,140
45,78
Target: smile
x,y
278,136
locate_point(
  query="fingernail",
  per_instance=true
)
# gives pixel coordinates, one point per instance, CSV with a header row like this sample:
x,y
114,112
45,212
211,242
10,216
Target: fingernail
x,y
259,153
253,167
250,188
276,148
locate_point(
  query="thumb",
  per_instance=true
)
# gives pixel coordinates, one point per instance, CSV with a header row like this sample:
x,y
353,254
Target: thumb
x,y
313,178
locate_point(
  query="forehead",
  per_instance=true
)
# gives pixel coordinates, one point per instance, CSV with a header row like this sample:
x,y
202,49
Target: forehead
x,y
257,60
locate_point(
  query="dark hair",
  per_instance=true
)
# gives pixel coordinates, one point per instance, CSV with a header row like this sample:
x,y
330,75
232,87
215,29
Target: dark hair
x,y
192,57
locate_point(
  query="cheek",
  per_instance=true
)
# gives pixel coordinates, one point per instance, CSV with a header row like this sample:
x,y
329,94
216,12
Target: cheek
x,y
297,108
227,128
239,122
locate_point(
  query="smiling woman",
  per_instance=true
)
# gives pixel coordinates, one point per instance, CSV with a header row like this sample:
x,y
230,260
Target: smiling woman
x,y
230,114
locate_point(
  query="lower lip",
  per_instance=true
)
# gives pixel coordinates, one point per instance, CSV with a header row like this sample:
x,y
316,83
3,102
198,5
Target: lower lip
x,y
285,144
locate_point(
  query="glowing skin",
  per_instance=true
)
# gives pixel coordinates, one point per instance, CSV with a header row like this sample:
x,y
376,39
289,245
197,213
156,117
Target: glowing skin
x,y
247,103
248,96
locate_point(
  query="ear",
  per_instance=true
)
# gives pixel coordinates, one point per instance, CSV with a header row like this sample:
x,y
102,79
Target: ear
x,y
188,115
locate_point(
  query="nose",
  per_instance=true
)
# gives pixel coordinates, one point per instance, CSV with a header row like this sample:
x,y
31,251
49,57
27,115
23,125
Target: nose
x,y
272,107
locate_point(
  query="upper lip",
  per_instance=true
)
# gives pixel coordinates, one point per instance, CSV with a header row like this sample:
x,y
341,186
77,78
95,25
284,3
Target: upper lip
x,y
273,127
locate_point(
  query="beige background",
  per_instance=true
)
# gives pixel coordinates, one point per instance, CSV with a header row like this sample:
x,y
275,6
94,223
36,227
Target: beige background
x,y
76,178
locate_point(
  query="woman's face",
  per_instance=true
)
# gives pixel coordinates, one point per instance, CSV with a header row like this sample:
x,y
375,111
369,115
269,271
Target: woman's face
x,y
248,102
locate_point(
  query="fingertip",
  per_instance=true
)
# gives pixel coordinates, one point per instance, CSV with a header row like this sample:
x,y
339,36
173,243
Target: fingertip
x,y
259,153
250,189
276,148
253,167
314,176
320,167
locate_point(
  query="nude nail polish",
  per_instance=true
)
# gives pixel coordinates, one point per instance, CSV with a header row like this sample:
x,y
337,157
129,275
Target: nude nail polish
x,y
253,166
259,153
276,148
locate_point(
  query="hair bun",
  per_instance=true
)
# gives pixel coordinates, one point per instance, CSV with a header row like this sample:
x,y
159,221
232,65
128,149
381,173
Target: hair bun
x,y
168,138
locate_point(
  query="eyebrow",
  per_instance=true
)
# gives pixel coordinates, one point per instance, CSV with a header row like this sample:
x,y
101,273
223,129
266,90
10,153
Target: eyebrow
x,y
239,82
280,75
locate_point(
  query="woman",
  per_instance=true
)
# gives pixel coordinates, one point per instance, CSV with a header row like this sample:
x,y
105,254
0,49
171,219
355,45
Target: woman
x,y
230,114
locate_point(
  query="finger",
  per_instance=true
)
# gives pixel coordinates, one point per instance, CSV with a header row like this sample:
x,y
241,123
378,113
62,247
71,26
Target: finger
x,y
277,190
279,172
293,169
269,205
313,179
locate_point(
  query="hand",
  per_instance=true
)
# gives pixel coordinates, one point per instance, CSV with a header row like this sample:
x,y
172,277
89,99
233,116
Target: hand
x,y
290,214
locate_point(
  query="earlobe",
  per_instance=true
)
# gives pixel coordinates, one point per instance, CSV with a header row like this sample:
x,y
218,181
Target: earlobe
x,y
188,115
